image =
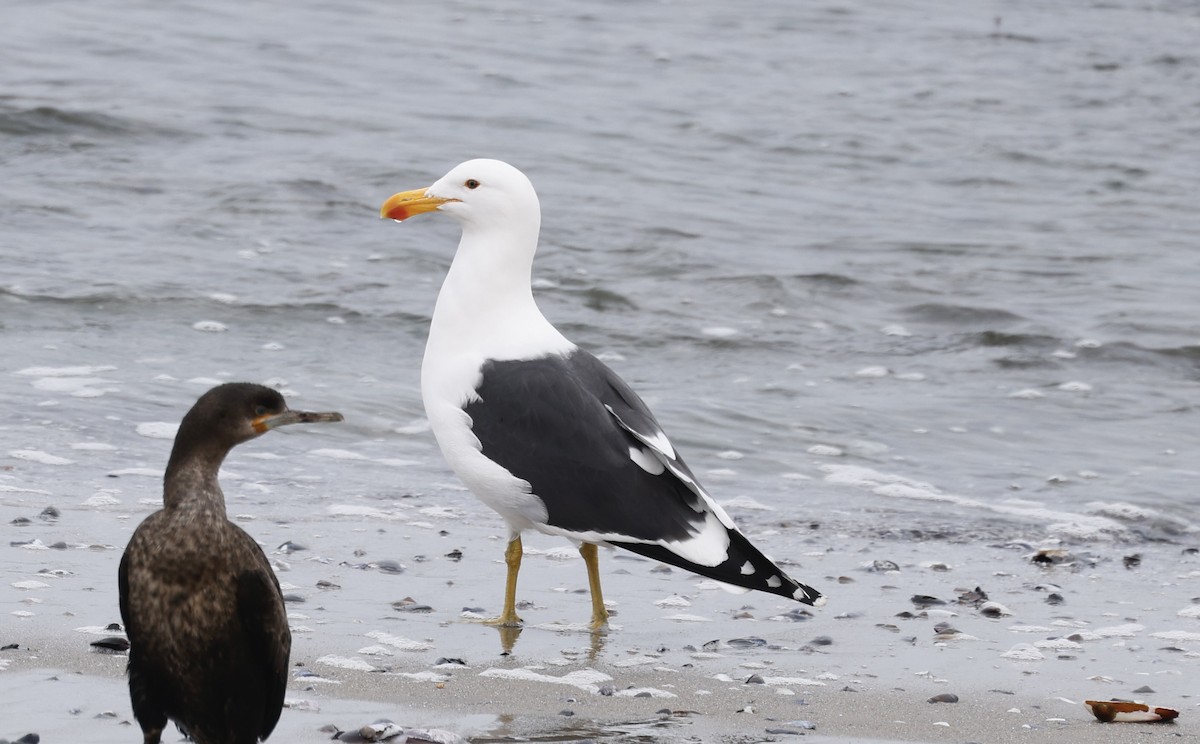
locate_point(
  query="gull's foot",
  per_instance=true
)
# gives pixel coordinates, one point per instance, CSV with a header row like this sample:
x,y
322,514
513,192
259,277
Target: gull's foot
x,y
505,621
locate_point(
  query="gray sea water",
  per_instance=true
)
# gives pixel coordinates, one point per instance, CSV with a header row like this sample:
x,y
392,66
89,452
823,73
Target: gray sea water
x,y
917,270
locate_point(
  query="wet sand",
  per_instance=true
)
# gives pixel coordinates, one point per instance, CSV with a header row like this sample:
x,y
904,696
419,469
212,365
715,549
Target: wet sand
x,y
685,661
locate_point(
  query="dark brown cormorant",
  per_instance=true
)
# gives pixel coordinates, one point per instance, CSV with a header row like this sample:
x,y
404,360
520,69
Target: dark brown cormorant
x,y
209,638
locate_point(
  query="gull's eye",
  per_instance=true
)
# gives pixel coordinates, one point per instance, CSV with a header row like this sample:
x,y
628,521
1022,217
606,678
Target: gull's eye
x,y
471,183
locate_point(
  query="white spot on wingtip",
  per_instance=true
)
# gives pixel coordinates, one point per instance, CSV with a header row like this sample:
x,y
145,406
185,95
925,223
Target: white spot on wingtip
x,y
819,602
774,582
747,569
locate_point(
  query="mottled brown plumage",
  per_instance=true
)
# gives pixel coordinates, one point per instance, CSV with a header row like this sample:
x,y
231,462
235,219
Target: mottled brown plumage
x,y
209,638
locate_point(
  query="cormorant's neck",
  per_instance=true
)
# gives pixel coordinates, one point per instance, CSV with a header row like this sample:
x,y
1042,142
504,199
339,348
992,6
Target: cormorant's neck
x,y
191,478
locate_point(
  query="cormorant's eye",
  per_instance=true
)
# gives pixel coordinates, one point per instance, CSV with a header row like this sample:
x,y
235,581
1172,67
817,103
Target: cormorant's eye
x,y
471,183
260,410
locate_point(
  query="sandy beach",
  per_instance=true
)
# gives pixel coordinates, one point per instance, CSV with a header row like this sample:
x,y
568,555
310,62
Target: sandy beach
x,y
684,661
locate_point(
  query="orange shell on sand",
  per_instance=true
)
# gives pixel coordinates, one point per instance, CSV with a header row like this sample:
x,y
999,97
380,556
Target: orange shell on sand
x,y
1117,711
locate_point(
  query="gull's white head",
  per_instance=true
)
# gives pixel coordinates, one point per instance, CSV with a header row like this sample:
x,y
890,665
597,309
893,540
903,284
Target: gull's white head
x,y
483,193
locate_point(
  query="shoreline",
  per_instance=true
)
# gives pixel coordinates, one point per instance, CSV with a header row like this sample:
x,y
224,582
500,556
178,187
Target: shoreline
x,y
513,699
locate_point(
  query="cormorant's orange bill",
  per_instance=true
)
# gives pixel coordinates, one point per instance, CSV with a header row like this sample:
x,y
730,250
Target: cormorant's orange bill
x,y
408,203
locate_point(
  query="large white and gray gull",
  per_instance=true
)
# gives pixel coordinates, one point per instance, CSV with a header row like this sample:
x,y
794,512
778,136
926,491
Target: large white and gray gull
x,y
542,431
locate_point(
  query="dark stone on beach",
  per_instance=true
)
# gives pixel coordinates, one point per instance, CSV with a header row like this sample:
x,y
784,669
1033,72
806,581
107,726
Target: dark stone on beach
x,y
945,697
1054,599
744,642
408,604
294,598
290,547
973,597
643,694
48,513
784,732
474,610
992,609
883,566
661,569
449,660
323,584
821,641
608,690
795,615
1191,551
1132,561
1144,688
111,645
712,645
455,555
21,521
390,566
566,712
888,626
60,545
10,647
755,679
924,600
114,627
1051,557
28,739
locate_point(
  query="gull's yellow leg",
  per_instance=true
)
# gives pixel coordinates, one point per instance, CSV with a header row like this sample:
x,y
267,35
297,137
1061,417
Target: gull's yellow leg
x,y
599,613
512,558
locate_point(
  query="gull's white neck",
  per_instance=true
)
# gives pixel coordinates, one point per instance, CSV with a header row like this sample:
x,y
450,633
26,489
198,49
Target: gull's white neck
x,y
485,309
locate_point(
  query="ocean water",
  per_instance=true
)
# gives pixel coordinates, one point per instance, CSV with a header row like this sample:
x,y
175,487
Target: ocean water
x,y
918,273
929,267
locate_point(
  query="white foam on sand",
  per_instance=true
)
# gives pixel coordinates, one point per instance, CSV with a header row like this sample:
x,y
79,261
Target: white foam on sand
x,y
793,681
398,642
355,510
338,454
45,458
1080,526
157,429
5,488
343,662
1183,636
101,499
1128,630
587,680
148,472
79,387
1023,652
